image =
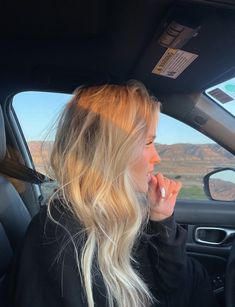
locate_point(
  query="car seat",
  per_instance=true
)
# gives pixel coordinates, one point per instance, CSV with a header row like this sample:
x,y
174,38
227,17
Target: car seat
x,y
14,216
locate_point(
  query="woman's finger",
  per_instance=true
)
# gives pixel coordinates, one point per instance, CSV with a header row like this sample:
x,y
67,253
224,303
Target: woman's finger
x,y
161,184
175,188
164,187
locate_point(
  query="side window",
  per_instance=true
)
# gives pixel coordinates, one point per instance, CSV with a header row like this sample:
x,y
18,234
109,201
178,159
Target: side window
x,y
36,113
187,155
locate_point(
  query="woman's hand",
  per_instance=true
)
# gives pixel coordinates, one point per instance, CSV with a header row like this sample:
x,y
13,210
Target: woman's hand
x,y
162,196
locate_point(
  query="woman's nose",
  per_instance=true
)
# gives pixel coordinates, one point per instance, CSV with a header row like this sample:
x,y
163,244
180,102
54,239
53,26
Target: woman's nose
x,y
155,158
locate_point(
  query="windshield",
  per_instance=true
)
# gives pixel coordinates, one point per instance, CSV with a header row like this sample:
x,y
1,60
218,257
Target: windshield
x,y
224,94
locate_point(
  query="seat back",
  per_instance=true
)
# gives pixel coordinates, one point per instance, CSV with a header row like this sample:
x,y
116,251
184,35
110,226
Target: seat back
x,y
14,216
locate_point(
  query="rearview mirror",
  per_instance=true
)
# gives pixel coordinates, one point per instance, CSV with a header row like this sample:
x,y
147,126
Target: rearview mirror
x,y
220,184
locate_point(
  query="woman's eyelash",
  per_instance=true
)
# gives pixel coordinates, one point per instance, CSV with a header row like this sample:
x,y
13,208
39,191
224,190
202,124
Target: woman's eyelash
x,y
149,143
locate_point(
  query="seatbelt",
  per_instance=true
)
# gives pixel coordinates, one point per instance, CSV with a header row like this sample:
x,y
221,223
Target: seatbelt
x,y
19,171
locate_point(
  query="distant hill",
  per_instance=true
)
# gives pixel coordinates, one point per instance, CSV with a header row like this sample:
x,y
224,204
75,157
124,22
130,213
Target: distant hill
x,y
190,162
40,154
202,152
221,189
186,162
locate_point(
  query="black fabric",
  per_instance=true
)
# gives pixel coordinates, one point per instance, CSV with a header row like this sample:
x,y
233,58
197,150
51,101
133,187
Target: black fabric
x,y
2,136
45,272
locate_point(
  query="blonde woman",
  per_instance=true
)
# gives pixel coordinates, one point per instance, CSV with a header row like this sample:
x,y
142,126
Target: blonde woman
x,y
108,235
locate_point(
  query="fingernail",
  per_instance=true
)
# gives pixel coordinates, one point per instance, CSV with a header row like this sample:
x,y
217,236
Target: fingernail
x,y
163,192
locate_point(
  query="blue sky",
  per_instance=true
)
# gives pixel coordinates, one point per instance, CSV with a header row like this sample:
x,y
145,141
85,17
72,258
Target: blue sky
x,y
38,111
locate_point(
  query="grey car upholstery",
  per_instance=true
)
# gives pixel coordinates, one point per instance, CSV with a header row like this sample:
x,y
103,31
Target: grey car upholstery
x,y
14,216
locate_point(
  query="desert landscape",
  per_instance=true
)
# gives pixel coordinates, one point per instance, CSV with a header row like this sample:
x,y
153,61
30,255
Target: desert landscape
x,y
185,162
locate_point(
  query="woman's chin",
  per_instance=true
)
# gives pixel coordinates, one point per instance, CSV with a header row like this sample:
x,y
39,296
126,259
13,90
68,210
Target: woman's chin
x,y
145,187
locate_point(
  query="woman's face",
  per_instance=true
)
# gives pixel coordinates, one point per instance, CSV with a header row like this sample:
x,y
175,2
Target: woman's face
x,y
143,167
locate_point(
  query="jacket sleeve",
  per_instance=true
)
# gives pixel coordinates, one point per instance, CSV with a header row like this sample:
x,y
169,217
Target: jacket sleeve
x,y
161,255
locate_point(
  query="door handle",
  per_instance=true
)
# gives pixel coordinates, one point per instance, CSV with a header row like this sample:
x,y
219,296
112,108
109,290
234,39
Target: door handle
x,y
213,235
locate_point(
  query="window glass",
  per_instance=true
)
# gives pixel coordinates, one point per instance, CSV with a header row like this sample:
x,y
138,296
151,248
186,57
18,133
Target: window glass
x,y
37,113
186,154
224,94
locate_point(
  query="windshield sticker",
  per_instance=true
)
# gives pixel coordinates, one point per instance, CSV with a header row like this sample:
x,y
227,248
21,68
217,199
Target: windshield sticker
x,y
173,63
220,95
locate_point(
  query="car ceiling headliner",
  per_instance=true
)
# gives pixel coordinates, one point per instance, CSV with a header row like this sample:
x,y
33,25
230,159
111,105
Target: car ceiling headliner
x,y
56,45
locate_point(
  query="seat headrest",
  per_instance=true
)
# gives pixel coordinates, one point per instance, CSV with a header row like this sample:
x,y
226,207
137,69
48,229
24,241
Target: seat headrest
x,y
2,137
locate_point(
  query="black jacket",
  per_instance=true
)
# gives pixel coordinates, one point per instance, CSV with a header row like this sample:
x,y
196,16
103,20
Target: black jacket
x,y
45,273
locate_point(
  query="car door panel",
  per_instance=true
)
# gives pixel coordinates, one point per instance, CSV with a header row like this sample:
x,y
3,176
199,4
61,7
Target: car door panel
x,y
194,215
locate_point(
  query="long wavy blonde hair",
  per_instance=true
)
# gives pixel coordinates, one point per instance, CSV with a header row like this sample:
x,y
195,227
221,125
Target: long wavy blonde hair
x,y
100,133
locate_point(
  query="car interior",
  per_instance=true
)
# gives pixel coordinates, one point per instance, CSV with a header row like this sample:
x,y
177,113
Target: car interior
x,y
178,49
